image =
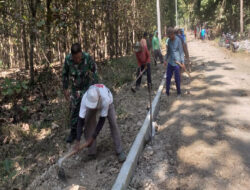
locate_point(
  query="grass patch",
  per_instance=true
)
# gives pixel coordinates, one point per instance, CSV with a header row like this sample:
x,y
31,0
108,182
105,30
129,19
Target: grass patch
x,y
7,170
120,71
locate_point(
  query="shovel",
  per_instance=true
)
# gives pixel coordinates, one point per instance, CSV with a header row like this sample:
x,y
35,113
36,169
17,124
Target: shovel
x,y
184,68
142,72
150,111
61,172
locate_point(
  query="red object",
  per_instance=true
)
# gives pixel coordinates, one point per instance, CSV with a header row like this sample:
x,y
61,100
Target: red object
x,y
143,56
99,85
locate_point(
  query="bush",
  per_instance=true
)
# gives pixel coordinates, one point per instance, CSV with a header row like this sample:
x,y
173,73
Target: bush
x,y
121,71
12,88
7,169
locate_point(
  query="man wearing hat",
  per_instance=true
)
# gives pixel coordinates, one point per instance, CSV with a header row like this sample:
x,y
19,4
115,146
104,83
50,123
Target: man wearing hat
x,y
98,98
143,60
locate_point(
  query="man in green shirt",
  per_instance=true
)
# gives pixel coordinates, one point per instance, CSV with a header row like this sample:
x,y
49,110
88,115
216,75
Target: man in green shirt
x,y
156,47
79,71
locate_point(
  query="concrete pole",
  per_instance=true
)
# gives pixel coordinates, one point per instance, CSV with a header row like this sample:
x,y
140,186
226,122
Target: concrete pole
x,y
176,13
241,17
158,19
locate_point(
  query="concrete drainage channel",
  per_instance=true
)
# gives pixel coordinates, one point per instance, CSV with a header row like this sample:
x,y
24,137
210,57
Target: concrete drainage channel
x,y
128,167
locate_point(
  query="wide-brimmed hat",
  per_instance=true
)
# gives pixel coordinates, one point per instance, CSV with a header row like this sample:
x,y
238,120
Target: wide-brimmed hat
x,y
91,99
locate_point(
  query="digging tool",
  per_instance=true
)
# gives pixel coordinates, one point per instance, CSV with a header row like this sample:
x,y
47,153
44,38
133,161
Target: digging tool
x,y
61,172
184,68
142,72
150,111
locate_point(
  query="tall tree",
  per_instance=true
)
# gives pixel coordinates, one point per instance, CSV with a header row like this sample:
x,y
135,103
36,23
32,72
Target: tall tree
x,y
33,4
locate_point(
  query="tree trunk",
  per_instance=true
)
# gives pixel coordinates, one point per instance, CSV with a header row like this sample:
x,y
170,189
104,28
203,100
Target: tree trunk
x,y
24,39
33,9
77,21
47,35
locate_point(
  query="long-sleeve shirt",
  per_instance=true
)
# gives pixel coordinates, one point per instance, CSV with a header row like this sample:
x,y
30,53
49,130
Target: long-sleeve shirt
x,y
80,125
81,75
175,51
143,56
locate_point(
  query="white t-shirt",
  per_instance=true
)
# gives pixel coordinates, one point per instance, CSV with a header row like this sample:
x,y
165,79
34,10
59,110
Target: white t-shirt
x,y
106,100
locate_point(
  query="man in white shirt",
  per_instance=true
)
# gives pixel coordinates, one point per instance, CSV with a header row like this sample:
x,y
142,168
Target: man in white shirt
x,y
98,98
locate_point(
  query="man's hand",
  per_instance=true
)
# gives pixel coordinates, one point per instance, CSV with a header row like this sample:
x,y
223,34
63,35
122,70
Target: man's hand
x,y
89,142
77,146
66,94
181,65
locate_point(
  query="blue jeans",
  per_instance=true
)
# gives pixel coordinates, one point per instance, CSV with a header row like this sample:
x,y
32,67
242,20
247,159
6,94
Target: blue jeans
x,y
176,70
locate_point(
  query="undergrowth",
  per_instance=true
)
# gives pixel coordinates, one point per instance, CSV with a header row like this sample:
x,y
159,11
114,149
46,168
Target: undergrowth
x,y
36,140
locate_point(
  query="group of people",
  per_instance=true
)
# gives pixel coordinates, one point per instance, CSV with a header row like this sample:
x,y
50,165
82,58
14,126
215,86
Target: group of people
x,y
176,58
88,97
200,32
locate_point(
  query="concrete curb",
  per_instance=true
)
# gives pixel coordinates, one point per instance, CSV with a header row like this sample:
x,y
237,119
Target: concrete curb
x,y
128,167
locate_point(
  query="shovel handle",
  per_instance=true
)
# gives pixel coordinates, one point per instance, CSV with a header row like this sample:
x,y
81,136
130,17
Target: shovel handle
x,y
141,73
60,161
183,68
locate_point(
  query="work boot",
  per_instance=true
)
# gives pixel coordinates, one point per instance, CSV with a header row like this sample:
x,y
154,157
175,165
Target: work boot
x,y
71,138
121,157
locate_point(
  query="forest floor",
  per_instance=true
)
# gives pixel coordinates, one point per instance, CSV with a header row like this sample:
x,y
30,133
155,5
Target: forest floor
x,y
32,143
203,138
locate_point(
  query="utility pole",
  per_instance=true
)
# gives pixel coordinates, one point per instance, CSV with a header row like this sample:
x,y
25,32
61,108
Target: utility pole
x,y
241,17
176,13
158,19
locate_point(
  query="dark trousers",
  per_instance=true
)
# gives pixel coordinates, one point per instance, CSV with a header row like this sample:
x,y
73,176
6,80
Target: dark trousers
x,y
157,54
74,113
148,71
176,70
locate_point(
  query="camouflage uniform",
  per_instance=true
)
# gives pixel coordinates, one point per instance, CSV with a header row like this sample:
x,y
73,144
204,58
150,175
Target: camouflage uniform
x,y
80,76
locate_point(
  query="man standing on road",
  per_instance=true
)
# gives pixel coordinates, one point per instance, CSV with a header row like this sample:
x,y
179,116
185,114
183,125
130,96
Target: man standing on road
x,y
195,32
79,70
143,60
203,33
175,59
98,98
156,47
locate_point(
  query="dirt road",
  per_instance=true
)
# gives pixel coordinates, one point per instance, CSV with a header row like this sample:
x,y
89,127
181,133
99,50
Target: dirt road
x,y
203,140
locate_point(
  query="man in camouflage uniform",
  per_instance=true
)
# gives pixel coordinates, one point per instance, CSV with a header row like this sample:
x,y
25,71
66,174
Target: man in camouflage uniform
x,y
79,71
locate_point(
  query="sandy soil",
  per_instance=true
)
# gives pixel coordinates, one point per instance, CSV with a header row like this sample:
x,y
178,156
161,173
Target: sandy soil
x,y
101,173
203,140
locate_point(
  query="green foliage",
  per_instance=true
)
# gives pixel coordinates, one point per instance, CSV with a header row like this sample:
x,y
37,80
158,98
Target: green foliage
x,y
223,15
7,169
12,87
121,71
